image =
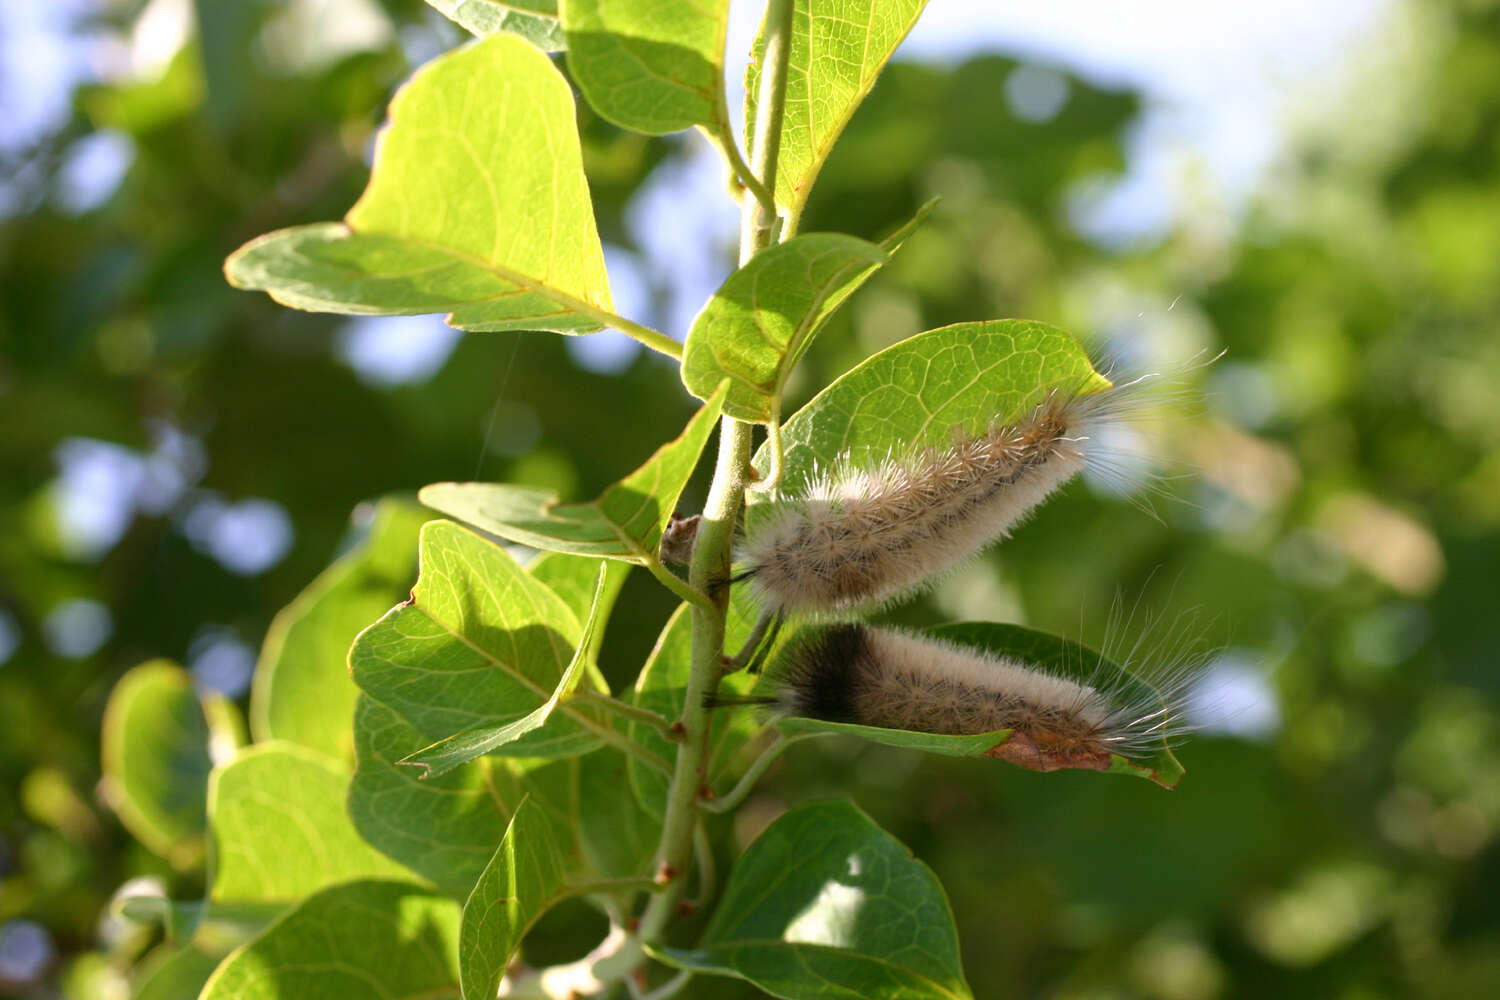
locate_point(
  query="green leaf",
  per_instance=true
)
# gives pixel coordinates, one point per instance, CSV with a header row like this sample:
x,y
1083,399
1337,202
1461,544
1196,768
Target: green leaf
x,y
1060,656
572,579
969,745
444,755
617,839
757,326
156,762
480,643
838,49
655,66
360,941
660,688
477,206
533,20
523,878
178,974
302,690
278,829
444,829
914,394
762,320
825,904
625,523
181,919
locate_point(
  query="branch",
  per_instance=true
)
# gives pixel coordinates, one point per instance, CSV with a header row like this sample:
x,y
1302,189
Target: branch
x,y
770,109
712,554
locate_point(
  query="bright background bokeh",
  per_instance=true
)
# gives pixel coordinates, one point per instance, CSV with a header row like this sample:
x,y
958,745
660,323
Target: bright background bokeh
x,y
1313,189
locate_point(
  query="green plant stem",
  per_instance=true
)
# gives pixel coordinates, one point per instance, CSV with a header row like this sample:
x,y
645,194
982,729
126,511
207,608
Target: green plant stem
x,y
611,885
712,553
610,736
711,560
708,875
773,444
634,713
758,222
752,645
753,774
670,988
654,339
742,172
675,584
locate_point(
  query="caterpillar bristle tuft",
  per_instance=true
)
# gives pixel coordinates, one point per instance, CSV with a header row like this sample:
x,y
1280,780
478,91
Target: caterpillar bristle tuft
x,y
893,680
858,537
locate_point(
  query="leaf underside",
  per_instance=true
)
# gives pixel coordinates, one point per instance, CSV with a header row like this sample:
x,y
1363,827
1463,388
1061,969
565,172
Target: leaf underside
x,y
450,220
534,20
480,643
626,521
655,66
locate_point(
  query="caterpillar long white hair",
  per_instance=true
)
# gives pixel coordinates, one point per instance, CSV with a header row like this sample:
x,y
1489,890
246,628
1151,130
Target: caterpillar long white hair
x,y
893,680
862,536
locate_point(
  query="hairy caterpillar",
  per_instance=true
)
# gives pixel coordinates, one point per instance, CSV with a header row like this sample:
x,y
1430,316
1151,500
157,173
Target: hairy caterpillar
x,y
890,679
859,537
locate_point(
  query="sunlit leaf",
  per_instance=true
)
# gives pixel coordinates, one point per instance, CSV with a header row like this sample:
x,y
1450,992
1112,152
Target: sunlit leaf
x,y
480,643
758,324
278,828
824,903
572,579
302,691
762,320
654,66
838,49
524,877
460,748
533,20
464,214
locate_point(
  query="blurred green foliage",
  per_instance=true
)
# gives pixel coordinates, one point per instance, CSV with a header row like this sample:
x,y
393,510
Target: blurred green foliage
x,y
1341,517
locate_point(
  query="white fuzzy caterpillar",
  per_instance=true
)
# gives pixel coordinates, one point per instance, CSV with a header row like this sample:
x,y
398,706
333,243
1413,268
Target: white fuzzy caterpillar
x,y
893,680
859,537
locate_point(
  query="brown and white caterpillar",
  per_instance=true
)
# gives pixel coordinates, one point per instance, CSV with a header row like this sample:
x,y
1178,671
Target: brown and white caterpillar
x,y
857,537
893,680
